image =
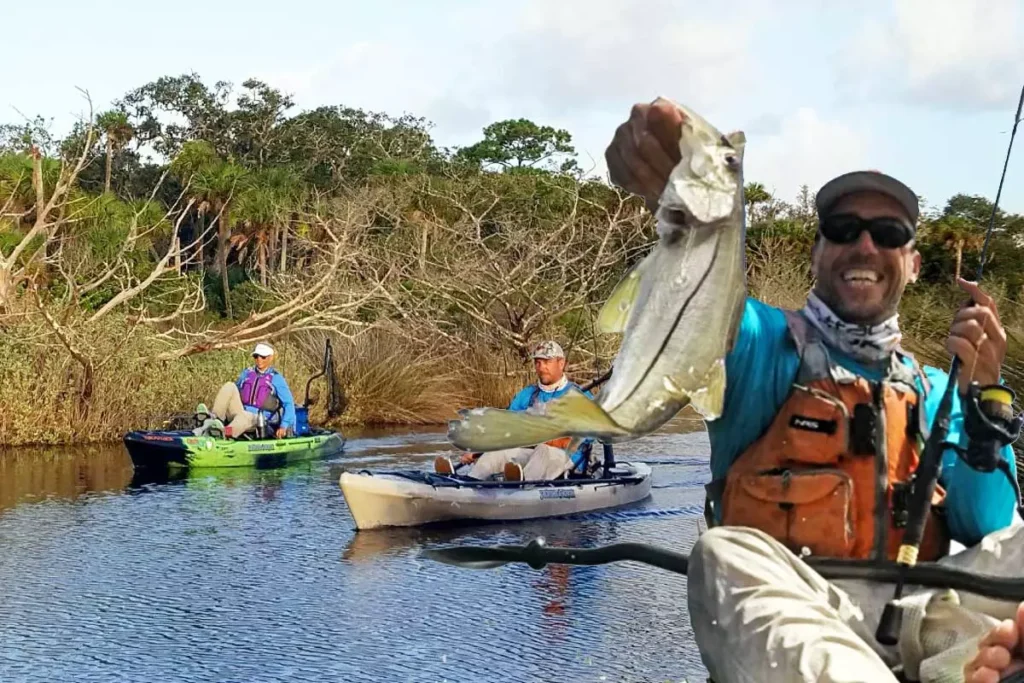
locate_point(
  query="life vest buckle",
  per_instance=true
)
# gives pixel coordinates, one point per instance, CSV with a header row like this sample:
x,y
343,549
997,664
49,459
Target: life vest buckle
x,y
901,504
864,430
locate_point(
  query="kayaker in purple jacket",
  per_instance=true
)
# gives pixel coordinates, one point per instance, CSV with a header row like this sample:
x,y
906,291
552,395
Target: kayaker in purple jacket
x,y
258,389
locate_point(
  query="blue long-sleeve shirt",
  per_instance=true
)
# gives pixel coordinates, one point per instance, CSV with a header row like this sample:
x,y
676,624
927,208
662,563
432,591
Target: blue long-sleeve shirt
x,y
283,393
532,394
760,369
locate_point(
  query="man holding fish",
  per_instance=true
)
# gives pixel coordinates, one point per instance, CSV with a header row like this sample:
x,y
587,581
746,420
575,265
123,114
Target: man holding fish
x,y
815,417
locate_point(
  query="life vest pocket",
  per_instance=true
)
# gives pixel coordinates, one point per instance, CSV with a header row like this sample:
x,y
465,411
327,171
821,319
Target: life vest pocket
x,y
817,429
810,509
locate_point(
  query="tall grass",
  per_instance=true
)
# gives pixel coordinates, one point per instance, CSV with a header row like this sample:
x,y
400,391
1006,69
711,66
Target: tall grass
x,y
389,379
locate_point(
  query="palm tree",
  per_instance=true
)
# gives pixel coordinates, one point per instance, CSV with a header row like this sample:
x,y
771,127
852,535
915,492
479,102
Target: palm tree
x,y
216,184
117,132
957,233
261,212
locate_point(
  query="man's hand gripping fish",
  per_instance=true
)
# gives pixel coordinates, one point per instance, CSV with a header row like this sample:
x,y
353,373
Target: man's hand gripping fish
x,y
678,309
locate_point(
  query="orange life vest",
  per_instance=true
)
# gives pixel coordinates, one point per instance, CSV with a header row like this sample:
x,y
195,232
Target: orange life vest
x,y
562,442
830,473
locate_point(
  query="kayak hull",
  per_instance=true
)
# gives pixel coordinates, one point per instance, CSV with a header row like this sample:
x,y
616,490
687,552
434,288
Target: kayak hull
x,y
404,498
181,449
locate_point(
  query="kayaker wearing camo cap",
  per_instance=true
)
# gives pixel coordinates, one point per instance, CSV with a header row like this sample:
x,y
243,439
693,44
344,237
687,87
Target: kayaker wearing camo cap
x,y
823,419
259,388
544,461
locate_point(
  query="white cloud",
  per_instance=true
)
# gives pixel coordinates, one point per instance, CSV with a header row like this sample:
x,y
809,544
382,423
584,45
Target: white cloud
x,y
953,53
565,63
585,54
806,150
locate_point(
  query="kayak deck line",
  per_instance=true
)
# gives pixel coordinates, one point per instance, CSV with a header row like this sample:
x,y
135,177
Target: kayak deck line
x,y
457,481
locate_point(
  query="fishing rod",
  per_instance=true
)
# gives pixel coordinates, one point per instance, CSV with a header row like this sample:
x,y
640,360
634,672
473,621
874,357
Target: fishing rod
x,y
537,554
990,426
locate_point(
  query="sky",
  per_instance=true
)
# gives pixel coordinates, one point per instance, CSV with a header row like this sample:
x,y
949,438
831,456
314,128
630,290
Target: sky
x,y
923,89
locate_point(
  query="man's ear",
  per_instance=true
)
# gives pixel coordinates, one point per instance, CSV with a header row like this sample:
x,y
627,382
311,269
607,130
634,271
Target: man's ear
x,y
915,266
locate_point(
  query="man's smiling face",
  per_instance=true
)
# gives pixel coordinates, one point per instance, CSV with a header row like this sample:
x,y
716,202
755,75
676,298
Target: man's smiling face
x,y
861,281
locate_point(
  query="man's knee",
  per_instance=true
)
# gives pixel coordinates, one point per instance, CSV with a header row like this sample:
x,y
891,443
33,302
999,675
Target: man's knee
x,y
739,555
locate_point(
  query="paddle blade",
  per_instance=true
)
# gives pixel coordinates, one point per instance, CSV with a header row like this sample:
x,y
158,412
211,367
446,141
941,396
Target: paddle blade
x,y
467,557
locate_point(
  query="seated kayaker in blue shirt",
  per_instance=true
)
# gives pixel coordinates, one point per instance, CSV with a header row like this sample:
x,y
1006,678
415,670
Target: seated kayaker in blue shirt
x,y
541,462
259,389
823,420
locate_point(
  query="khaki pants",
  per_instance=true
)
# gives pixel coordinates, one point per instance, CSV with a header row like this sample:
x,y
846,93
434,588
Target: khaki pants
x,y
761,614
228,406
541,462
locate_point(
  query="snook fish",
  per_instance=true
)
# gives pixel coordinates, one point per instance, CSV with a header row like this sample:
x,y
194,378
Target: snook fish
x,y
678,310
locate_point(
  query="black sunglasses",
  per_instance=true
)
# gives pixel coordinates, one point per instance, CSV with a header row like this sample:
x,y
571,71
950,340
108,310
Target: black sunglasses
x,y
256,355
845,228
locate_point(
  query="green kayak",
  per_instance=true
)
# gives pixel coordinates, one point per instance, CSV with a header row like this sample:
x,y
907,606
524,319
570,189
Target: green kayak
x,y
178,449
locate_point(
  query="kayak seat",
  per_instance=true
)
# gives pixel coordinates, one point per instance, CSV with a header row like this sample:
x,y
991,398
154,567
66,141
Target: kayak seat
x,y
601,470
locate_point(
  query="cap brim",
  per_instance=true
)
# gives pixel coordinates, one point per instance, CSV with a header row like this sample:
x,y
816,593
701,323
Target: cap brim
x,y
867,181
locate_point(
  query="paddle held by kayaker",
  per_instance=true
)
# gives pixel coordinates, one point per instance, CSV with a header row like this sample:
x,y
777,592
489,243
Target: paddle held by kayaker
x,y
259,390
824,418
541,462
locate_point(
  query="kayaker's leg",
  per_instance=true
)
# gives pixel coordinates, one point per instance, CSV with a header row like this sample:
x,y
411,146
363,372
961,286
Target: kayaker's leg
x,y
761,615
547,462
489,464
228,406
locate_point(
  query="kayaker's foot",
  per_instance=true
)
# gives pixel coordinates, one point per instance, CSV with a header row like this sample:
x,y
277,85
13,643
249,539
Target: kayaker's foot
x,y
202,413
443,465
513,471
216,428
204,428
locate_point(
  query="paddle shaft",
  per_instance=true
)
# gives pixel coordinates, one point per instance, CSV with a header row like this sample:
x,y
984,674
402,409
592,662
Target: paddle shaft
x,y
537,555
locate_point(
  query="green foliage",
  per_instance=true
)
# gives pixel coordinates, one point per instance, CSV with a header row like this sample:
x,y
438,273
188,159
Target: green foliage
x,y
444,229
19,138
522,145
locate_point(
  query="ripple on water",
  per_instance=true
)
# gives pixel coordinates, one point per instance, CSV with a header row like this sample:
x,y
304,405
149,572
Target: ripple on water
x,y
259,577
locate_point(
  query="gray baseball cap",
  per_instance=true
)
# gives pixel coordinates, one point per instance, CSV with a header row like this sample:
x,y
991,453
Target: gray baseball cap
x,y
867,181
548,349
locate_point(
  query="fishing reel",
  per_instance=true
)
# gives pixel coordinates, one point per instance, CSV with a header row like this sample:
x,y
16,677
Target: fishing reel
x,y
990,425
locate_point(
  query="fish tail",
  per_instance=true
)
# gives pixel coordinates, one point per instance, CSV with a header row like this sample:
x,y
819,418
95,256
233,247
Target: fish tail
x,y
572,414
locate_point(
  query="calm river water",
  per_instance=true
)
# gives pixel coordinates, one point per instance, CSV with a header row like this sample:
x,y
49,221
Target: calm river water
x,y
258,576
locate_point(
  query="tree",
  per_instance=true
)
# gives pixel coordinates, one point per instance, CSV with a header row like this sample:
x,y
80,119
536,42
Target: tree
x,y
215,183
116,132
957,233
201,113
522,144
22,137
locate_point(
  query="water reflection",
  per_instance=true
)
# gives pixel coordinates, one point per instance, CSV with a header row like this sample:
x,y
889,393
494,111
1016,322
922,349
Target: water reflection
x,y
56,473
258,575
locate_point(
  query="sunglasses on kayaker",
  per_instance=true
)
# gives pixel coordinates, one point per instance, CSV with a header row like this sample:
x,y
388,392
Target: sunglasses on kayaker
x,y
256,355
845,228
